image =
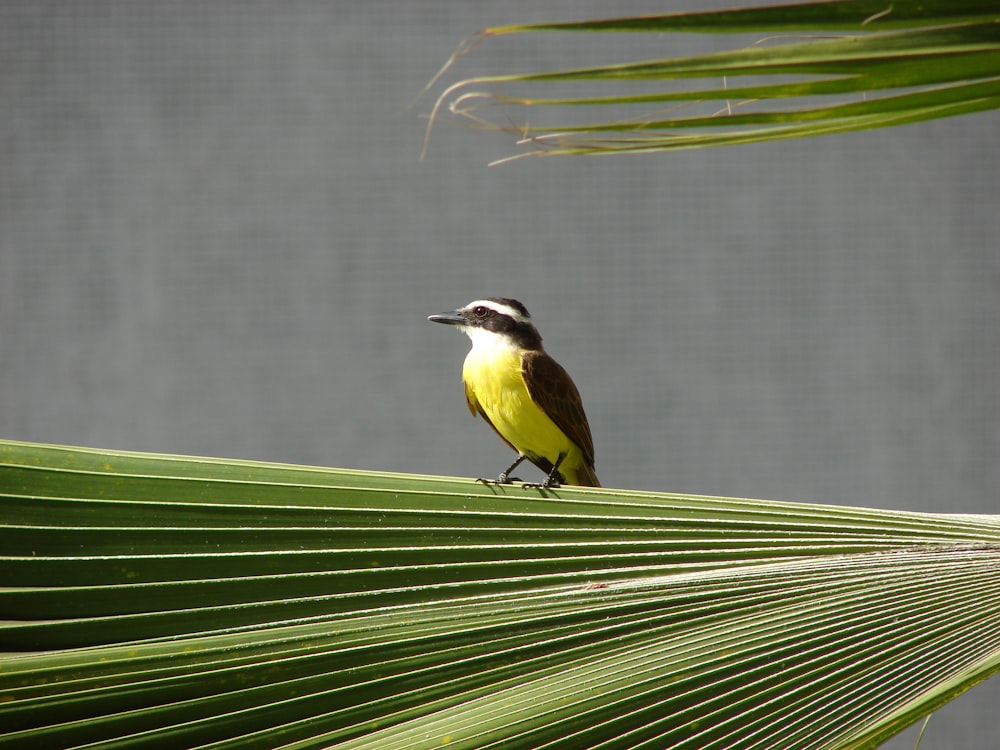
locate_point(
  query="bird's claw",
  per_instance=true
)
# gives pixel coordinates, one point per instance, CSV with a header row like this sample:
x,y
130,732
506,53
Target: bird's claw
x,y
549,484
502,479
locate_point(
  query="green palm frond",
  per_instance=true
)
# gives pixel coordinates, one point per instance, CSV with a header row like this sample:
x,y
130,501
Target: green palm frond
x,y
865,64
161,601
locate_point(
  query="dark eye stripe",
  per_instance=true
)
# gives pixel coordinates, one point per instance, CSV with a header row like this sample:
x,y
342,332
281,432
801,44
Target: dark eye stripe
x,y
498,309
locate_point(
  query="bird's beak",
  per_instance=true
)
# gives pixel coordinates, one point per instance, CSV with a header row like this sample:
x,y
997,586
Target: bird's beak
x,y
453,318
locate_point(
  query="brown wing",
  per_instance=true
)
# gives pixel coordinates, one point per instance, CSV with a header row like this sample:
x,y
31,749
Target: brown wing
x,y
551,387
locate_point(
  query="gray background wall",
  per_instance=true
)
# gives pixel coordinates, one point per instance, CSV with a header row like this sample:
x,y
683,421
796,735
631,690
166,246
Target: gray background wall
x,y
216,238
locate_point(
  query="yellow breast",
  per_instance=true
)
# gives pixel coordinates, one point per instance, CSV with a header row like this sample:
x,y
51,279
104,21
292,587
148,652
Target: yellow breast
x,y
494,382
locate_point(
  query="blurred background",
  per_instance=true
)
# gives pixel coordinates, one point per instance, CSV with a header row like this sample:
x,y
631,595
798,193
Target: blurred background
x,y
217,238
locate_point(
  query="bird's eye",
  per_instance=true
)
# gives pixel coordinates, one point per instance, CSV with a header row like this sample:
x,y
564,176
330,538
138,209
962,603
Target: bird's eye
x,y
480,311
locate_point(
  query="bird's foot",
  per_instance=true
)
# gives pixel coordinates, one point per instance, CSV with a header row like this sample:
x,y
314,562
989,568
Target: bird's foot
x,y
505,477
549,483
552,481
502,479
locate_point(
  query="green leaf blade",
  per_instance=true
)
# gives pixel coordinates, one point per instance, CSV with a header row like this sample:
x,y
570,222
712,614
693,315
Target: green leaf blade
x,y
904,63
270,605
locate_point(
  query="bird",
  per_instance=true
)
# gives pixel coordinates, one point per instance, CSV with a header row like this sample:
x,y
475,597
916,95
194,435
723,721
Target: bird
x,y
527,397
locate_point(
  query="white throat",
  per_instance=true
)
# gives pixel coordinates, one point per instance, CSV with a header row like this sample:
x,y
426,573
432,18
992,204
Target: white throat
x,y
489,343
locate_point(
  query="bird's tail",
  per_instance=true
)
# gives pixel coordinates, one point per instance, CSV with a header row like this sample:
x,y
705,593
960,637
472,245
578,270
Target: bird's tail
x,y
585,477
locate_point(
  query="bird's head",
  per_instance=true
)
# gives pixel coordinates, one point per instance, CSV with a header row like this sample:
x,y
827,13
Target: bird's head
x,y
494,320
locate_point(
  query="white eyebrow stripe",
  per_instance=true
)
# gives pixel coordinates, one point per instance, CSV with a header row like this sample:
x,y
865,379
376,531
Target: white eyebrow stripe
x,y
500,308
